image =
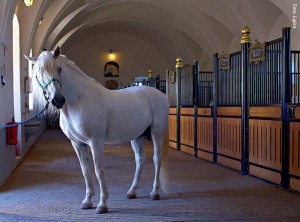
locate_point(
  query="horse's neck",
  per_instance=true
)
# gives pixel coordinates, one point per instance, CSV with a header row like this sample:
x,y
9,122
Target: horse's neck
x,y
80,86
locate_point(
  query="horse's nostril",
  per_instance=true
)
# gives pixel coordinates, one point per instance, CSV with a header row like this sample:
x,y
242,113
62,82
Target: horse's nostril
x,y
58,102
63,100
54,102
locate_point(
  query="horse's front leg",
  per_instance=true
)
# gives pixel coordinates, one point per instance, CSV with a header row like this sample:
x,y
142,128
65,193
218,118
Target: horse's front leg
x,y
82,153
98,156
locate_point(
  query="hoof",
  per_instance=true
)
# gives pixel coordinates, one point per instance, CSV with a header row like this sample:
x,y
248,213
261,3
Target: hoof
x,y
101,210
154,196
86,206
131,195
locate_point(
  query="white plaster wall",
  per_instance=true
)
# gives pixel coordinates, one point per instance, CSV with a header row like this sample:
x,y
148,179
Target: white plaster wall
x,y
8,160
283,21
286,19
134,56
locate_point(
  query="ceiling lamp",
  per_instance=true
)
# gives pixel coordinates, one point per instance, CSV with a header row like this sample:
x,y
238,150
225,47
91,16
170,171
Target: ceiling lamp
x,y
28,3
112,55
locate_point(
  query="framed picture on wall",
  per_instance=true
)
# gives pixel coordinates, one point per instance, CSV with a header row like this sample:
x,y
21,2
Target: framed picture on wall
x,y
111,69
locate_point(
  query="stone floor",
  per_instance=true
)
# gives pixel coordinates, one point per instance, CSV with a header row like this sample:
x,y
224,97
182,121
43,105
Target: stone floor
x,y
48,186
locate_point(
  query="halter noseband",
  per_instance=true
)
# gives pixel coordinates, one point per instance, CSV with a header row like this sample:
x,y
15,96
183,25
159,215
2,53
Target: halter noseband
x,y
53,79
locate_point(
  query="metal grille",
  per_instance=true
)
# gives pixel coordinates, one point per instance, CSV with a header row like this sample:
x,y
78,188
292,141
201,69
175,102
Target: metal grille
x,y
186,86
162,86
171,92
205,89
295,78
229,82
265,78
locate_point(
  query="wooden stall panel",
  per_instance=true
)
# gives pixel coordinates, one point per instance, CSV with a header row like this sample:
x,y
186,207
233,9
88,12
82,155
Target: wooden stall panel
x,y
297,112
172,131
204,111
295,148
266,111
187,111
268,175
187,130
172,111
265,143
229,137
294,164
205,137
187,149
229,111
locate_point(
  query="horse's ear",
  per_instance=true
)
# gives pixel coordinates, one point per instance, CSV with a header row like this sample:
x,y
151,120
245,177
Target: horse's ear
x,y
56,52
32,59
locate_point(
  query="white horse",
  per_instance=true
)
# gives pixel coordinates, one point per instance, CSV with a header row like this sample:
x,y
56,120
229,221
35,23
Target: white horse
x,y
91,115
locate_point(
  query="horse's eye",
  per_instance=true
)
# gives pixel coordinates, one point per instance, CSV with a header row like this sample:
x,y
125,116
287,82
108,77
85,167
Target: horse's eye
x,y
59,70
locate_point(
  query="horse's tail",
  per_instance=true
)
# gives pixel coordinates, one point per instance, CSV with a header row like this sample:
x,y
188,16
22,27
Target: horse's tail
x,y
164,174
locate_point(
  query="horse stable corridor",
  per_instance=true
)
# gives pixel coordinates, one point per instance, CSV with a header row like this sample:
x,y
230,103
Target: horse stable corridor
x,y
48,186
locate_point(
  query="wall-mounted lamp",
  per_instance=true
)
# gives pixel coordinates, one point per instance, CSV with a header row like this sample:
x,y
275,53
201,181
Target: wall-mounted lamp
x,y
40,22
112,55
28,3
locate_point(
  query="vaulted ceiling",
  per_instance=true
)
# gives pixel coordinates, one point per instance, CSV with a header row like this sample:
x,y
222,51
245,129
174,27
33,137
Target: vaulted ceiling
x,y
190,28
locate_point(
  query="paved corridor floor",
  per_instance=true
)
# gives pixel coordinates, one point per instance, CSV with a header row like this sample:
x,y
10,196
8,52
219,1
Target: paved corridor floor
x,y
49,186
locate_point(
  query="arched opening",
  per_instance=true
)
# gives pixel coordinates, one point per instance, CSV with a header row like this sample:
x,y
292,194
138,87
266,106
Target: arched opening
x,y
30,95
16,69
16,73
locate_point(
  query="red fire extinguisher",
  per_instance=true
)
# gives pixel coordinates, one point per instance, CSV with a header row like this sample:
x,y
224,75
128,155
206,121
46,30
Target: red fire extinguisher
x,y
12,135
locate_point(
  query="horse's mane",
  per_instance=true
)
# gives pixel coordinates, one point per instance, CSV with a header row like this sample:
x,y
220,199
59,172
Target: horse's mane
x,y
45,63
43,70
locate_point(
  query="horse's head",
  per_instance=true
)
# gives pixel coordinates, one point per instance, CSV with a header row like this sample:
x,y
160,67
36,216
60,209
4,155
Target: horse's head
x,y
47,79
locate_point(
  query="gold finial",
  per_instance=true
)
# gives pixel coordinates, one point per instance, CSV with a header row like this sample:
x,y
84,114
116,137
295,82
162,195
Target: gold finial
x,y
179,62
150,73
246,35
133,78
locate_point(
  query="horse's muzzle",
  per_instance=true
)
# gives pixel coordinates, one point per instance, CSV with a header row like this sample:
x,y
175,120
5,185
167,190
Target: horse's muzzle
x,y
58,101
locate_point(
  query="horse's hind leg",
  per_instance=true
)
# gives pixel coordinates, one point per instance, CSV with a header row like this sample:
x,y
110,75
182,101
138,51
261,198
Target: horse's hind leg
x,y
157,158
82,153
140,157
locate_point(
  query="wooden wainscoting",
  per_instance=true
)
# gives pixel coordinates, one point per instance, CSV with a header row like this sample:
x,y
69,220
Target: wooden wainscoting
x,y
172,128
294,165
265,148
229,142
205,137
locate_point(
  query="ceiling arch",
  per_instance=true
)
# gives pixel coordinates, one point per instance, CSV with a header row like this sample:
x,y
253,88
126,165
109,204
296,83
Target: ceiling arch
x,y
194,26
191,28
173,24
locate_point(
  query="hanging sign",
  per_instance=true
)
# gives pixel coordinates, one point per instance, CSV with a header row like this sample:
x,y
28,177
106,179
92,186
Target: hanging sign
x,y
172,77
257,52
224,61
